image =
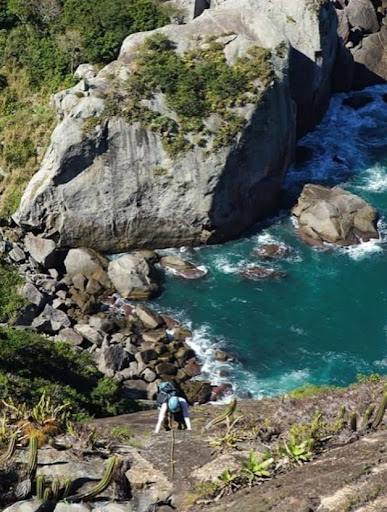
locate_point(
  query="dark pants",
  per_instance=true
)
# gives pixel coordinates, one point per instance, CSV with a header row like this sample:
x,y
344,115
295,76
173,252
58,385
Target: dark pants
x,y
178,417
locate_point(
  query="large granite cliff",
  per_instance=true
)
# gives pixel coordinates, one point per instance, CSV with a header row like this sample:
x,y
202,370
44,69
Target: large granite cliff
x,y
113,181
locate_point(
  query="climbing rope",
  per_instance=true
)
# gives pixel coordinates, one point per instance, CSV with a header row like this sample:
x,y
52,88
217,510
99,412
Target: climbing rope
x,y
173,455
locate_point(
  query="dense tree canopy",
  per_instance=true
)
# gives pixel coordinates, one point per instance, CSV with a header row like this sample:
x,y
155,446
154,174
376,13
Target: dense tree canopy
x,y
51,37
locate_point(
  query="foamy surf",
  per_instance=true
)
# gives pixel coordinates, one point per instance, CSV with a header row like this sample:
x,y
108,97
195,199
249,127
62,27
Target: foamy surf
x,y
374,180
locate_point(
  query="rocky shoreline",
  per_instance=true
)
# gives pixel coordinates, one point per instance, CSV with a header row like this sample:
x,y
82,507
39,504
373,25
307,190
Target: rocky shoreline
x,y
82,298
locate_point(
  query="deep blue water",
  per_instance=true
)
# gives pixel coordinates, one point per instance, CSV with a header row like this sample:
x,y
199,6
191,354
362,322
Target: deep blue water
x,y
325,322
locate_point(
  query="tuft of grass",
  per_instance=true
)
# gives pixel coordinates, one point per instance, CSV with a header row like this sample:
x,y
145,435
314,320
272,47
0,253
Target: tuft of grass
x,y
122,434
315,6
90,125
159,171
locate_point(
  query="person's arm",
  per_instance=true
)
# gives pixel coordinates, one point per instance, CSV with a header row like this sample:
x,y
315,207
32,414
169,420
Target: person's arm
x,y
184,408
162,413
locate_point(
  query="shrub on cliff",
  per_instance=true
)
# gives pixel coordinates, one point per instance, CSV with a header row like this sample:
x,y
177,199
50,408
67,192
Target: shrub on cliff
x,y
31,364
10,300
196,85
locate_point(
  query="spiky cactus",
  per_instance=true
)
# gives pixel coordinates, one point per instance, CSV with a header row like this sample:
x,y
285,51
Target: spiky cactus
x,y
367,416
33,458
353,421
67,487
55,488
380,412
47,495
224,415
40,483
106,480
11,449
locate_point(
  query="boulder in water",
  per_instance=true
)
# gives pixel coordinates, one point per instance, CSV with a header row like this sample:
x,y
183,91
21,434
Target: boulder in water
x,y
271,251
184,268
258,273
219,392
334,215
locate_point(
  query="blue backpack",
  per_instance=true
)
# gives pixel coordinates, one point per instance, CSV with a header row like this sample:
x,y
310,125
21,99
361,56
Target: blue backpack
x,y
165,391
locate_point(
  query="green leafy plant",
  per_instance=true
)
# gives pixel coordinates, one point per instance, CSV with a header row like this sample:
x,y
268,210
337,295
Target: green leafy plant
x,y
297,452
309,390
36,370
255,468
228,482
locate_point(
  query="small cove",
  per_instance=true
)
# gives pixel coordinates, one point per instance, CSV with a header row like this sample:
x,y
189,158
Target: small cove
x,y
327,320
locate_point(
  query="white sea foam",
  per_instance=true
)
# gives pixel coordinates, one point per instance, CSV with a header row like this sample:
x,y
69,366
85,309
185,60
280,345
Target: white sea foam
x,y
225,266
374,180
382,363
364,250
276,385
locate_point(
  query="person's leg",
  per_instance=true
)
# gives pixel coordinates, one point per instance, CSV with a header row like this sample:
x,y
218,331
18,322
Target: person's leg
x,y
180,420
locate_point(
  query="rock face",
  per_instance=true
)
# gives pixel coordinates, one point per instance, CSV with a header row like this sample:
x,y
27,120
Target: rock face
x,y
310,27
361,58
371,60
334,215
362,14
110,185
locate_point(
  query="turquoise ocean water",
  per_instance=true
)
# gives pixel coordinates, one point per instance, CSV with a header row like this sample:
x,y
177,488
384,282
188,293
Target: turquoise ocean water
x,y
327,320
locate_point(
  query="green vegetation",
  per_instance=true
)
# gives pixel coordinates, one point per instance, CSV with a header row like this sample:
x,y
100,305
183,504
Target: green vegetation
x,y
195,85
50,38
296,452
32,365
368,379
255,468
122,433
309,390
106,480
10,301
41,44
159,171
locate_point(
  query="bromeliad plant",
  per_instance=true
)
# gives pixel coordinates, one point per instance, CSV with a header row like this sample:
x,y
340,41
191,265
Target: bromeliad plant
x,y
297,452
255,468
43,421
229,482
